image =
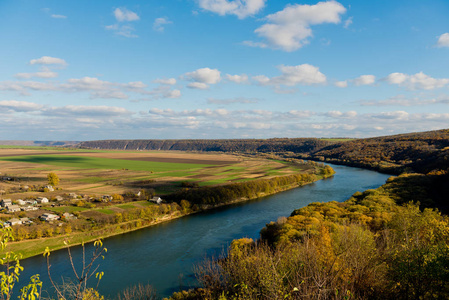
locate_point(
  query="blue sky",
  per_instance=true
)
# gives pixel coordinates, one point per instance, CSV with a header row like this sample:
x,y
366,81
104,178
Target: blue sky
x,y
85,70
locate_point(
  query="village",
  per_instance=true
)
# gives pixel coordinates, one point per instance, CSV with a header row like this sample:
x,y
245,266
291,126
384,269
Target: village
x,y
40,208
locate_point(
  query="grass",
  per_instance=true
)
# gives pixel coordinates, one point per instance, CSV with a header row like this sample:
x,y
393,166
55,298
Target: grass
x,y
126,206
86,162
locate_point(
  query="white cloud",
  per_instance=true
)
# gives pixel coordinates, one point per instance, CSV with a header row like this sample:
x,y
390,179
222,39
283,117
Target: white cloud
x,y
74,110
198,85
348,22
20,106
341,84
58,16
338,114
364,80
204,75
42,74
159,23
173,94
122,30
202,78
169,81
396,78
443,40
109,95
48,60
304,74
392,115
290,28
240,8
123,14
418,81
237,78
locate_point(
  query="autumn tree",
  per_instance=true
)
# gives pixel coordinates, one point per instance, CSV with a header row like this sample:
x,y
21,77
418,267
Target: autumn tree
x,y
53,179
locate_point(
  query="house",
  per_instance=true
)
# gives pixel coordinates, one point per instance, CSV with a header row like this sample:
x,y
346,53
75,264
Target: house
x,y
26,221
42,200
73,195
50,188
21,202
106,198
6,202
28,208
49,217
13,222
68,216
31,202
59,198
156,200
13,208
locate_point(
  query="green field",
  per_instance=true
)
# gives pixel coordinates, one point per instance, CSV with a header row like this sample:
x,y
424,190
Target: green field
x,y
84,162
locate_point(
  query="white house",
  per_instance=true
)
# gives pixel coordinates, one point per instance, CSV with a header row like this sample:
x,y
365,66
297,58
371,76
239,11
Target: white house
x,y
49,188
6,202
49,217
156,200
59,198
13,208
13,222
28,208
42,200
21,202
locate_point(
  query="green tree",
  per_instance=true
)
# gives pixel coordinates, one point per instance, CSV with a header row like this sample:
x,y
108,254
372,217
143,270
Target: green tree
x,y
53,179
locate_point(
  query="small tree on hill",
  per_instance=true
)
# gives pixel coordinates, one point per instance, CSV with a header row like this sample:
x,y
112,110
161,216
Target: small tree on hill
x,y
53,179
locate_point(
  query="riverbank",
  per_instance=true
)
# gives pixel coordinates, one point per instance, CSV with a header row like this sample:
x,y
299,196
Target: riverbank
x,y
34,247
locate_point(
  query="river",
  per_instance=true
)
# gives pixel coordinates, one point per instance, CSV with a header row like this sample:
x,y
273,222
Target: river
x,y
163,255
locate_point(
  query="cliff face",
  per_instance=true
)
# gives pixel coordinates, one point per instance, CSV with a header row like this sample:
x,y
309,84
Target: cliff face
x,y
297,145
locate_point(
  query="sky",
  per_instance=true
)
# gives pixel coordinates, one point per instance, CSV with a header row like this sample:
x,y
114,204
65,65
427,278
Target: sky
x,y
213,69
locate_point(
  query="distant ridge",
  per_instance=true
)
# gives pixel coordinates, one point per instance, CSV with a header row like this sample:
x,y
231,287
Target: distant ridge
x,y
39,143
417,152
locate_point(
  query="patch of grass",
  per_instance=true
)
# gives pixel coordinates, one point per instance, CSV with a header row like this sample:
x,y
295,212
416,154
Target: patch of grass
x,y
125,206
74,161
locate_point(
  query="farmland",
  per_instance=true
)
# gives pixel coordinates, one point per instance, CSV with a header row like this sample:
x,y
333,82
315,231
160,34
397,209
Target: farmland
x,y
107,172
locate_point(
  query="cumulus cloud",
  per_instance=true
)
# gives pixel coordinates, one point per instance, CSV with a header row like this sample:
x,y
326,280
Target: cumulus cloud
x,y
48,60
159,23
364,80
169,81
20,106
123,14
202,78
338,114
290,28
237,78
240,8
304,74
418,81
341,84
42,74
443,40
